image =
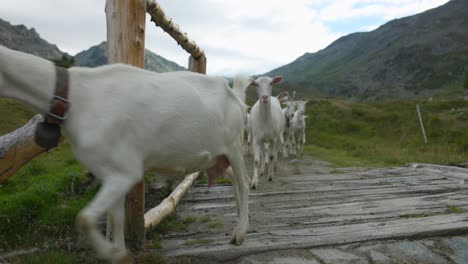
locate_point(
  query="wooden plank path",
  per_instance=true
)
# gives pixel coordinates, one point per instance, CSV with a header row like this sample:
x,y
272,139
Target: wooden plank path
x,y
311,205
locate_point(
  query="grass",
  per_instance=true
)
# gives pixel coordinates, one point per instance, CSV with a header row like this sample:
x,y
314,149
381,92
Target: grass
x,y
218,181
205,219
39,204
456,209
215,224
388,133
56,257
198,241
190,219
46,257
13,115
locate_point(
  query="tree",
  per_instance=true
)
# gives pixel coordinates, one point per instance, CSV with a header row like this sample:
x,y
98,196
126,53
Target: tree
x,y
65,61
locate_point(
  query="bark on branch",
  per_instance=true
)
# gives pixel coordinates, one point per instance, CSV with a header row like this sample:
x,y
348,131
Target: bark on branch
x,y
18,148
155,216
161,20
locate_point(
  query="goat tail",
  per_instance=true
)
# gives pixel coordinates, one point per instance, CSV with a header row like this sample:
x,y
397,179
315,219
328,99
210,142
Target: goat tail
x,y
241,82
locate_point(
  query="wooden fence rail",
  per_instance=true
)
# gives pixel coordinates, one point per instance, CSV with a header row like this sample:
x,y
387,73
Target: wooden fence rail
x,y
197,59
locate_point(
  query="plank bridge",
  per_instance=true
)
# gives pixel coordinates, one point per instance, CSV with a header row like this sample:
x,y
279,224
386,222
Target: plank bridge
x,y
310,204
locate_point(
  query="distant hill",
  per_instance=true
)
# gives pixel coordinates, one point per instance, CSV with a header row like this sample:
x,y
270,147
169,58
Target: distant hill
x,y
404,57
96,56
28,40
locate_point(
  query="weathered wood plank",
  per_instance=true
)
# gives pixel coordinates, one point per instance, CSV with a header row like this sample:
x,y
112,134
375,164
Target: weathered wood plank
x,y
347,211
462,171
220,250
311,210
331,196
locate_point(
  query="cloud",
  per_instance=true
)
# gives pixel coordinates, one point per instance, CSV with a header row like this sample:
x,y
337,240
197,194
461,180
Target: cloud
x,y
250,36
269,33
386,9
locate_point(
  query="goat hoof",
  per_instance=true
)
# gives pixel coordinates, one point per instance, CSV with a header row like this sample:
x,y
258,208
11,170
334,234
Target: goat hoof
x,y
253,187
236,239
270,179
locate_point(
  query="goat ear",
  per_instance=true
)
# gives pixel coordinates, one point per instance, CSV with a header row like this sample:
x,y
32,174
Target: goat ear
x,y
281,95
276,80
253,82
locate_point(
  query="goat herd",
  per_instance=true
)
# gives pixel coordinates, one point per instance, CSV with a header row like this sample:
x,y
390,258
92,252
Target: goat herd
x,y
122,120
272,130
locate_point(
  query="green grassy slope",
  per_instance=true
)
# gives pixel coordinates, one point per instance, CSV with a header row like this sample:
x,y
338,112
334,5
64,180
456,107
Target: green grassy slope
x,y
389,133
13,115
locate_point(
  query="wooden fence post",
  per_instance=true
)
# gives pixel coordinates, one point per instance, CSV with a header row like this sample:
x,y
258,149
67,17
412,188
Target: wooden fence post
x,y
421,122
126,44
197,65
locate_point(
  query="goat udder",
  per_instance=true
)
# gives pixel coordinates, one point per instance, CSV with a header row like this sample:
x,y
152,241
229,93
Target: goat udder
x,y
218,170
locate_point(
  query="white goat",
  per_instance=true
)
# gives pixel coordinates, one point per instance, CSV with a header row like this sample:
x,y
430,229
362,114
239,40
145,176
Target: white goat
x,y
299,125
289,139
267,126
124,120
248,135
241,82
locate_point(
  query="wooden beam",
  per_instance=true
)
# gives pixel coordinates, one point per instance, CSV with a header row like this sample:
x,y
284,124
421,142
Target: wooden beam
x,y
421,122
18,148
161,20
197,65
155,216
126,44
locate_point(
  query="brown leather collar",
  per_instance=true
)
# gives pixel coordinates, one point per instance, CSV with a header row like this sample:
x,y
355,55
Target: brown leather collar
x,y
59,104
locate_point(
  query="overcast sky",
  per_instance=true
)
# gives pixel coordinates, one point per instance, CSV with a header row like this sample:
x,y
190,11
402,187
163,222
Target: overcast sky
x,y
248,36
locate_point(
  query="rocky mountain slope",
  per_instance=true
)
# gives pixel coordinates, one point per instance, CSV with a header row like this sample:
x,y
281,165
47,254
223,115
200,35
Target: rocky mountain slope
x,y
96,56
19,37
27,40
404,57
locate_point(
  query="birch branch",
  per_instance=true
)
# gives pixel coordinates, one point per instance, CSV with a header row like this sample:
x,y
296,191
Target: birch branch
x,y
155,216
161,20
18,148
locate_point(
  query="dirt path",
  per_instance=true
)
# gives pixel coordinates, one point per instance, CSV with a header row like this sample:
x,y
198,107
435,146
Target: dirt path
x,y
311,212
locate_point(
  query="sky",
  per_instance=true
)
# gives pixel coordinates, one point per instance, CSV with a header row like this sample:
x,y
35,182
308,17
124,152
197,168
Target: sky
x,y
238,36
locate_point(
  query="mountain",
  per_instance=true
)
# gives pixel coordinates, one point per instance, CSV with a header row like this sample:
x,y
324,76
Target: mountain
x,y
404,57
96,56
27,40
